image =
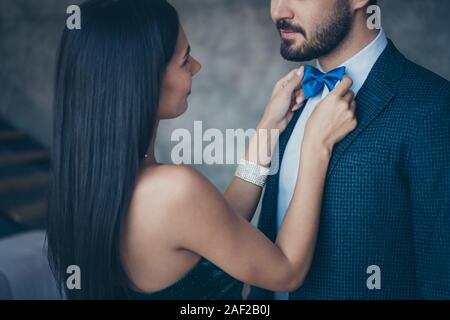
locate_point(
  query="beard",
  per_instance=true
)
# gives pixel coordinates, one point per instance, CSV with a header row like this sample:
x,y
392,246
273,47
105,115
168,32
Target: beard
x,y
324,40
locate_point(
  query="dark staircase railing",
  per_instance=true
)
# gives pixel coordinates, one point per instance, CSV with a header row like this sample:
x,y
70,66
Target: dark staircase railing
x,y
24,181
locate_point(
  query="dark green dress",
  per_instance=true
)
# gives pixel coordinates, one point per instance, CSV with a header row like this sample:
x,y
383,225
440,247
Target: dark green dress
x,y
204,282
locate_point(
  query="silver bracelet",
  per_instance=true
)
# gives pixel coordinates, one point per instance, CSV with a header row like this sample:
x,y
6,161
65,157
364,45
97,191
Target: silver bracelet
x,y
252,172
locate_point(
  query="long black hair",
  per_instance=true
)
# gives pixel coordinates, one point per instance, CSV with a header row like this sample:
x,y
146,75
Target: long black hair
x,y
107,92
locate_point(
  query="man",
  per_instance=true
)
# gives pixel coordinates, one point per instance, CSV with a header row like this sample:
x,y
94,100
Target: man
x,y
385,223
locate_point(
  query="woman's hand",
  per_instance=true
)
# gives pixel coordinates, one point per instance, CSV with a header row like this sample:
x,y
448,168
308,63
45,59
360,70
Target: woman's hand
x,y
333,119
286,98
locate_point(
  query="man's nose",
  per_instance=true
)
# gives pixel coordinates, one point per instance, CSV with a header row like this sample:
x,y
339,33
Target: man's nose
x,y
280,9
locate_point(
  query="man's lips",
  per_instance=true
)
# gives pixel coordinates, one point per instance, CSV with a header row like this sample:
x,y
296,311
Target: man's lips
x,y
288,33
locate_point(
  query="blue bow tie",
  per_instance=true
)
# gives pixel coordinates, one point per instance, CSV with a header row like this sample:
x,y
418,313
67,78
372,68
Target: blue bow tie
x,y
315,80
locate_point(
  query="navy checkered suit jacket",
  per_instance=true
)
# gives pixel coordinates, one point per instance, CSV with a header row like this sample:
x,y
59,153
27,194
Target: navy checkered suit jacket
x,y
387,195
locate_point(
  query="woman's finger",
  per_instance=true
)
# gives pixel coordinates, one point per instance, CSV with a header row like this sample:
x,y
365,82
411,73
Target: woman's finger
x,y
353,106
296,107
299,96
293,84
342,88
281,84
349,96
290,116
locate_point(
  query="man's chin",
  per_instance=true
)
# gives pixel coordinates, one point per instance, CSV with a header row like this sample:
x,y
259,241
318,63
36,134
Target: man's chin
x,y
292,53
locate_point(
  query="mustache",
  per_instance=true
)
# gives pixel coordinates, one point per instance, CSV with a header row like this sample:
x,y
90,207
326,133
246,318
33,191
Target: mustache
x,y
286,25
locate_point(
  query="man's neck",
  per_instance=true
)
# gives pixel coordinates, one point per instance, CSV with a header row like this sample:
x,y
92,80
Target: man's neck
x,y
357,40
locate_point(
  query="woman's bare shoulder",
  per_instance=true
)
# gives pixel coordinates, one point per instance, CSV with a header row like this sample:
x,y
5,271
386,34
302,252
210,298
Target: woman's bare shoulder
x,y
169,180
169,189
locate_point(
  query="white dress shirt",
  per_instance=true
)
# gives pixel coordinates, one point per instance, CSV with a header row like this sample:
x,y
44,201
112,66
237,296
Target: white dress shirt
x,y
358,68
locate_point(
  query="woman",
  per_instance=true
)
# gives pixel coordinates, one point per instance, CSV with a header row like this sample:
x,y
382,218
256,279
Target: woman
x,y
141,229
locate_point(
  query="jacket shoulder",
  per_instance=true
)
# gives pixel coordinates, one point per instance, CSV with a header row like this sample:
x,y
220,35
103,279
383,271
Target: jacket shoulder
x,y
422,82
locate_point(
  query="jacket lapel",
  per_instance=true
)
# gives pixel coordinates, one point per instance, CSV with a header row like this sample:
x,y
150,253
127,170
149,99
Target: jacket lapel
x,y
373,98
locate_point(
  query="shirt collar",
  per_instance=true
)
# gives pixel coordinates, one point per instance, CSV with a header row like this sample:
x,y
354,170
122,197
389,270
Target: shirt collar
x,y
359,66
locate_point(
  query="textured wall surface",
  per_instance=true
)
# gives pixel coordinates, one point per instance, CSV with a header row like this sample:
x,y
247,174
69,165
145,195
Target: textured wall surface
x,y
235,40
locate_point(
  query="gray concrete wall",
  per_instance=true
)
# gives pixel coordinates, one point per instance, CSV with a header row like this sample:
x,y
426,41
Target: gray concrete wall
x,y
234,39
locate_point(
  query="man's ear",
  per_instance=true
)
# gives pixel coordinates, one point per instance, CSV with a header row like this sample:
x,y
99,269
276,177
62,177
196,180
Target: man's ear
x,y
359,4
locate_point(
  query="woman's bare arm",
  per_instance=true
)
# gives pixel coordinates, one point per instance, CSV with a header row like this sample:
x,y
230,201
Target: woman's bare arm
x,y
242,195
207,225
212,229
